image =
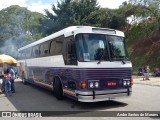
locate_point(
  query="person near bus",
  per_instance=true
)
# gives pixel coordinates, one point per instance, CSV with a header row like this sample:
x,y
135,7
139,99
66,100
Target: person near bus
x,y
12,73
7,78
146,72
2,72
140,72
156,72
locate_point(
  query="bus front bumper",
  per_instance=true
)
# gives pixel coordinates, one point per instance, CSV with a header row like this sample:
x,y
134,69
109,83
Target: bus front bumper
x,y
95,96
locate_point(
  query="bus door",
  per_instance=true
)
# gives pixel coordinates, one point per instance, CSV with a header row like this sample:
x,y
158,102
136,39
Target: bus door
x,y
70,60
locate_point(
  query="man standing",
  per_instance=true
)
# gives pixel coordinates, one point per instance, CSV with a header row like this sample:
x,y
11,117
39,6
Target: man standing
x,y
148,71
12,73
2,78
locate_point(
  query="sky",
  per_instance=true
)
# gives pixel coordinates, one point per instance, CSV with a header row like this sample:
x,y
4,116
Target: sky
x,y
40,5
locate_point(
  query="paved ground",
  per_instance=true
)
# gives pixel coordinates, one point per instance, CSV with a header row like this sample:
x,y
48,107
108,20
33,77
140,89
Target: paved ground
x,y
32,98
154,81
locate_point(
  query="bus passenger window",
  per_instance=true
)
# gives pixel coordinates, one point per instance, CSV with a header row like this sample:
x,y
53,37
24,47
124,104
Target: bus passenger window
x,y
28,53
52,47
35,51
23,54
44,49
19,55
58,48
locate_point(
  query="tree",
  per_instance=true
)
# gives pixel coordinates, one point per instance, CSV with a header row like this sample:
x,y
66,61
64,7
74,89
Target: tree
x,y
72,12
19,27
147,14
151,8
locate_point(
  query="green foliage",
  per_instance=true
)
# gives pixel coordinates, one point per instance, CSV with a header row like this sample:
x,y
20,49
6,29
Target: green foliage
x,y
19,27
81,12
149,8
72,12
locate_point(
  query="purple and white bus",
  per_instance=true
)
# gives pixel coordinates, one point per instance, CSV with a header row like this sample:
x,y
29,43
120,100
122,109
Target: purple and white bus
x,y
84,63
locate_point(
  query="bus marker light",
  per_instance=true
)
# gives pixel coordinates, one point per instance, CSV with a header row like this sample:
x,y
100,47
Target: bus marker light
x,y
83,84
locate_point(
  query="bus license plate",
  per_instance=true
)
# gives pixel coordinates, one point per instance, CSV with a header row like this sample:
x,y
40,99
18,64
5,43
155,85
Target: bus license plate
x,y
111,83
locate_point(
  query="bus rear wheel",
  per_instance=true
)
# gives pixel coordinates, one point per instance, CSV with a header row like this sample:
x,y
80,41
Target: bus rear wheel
x,y
58,91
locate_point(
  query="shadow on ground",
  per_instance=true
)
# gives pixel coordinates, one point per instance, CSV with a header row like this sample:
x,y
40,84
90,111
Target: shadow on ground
x,y
33,98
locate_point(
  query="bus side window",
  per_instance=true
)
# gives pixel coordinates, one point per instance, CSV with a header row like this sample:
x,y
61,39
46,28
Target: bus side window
x,y
58,47
52,47
35,51
28,53
44,49
20,55
23,54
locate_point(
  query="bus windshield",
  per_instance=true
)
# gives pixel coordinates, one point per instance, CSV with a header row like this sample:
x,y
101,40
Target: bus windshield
x,y
95,47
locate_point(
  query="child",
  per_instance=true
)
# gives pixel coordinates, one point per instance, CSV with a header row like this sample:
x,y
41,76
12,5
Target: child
x,y
7,78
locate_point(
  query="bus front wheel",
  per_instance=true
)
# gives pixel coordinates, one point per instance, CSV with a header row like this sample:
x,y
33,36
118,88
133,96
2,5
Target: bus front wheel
x,y
58,91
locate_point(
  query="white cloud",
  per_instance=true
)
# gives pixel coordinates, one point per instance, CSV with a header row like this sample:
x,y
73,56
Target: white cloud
x,y
7,3
110,3
103,3
35,7
39,7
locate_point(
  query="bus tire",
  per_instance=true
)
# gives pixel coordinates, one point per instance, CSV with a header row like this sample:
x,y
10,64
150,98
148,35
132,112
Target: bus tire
x,y
23,79
58,91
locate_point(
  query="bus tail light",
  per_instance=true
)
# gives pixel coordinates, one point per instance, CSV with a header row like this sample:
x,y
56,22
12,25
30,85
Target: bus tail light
x,y
83,84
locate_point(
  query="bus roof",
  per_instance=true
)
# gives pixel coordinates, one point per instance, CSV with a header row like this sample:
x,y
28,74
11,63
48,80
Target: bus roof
x,y
73,30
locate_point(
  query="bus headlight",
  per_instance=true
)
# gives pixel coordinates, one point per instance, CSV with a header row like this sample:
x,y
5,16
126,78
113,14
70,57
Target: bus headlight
x,y
128,82
124,83
96,84
91,85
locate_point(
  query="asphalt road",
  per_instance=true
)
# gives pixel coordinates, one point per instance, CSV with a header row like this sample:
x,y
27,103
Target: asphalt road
x,y
32,98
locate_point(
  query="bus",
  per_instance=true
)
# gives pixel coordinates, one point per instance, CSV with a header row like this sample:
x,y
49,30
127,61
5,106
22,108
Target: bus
x,y
84,63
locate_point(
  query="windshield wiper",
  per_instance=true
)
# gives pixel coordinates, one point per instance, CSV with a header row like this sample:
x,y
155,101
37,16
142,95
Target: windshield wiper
x,y
123,62
121,59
